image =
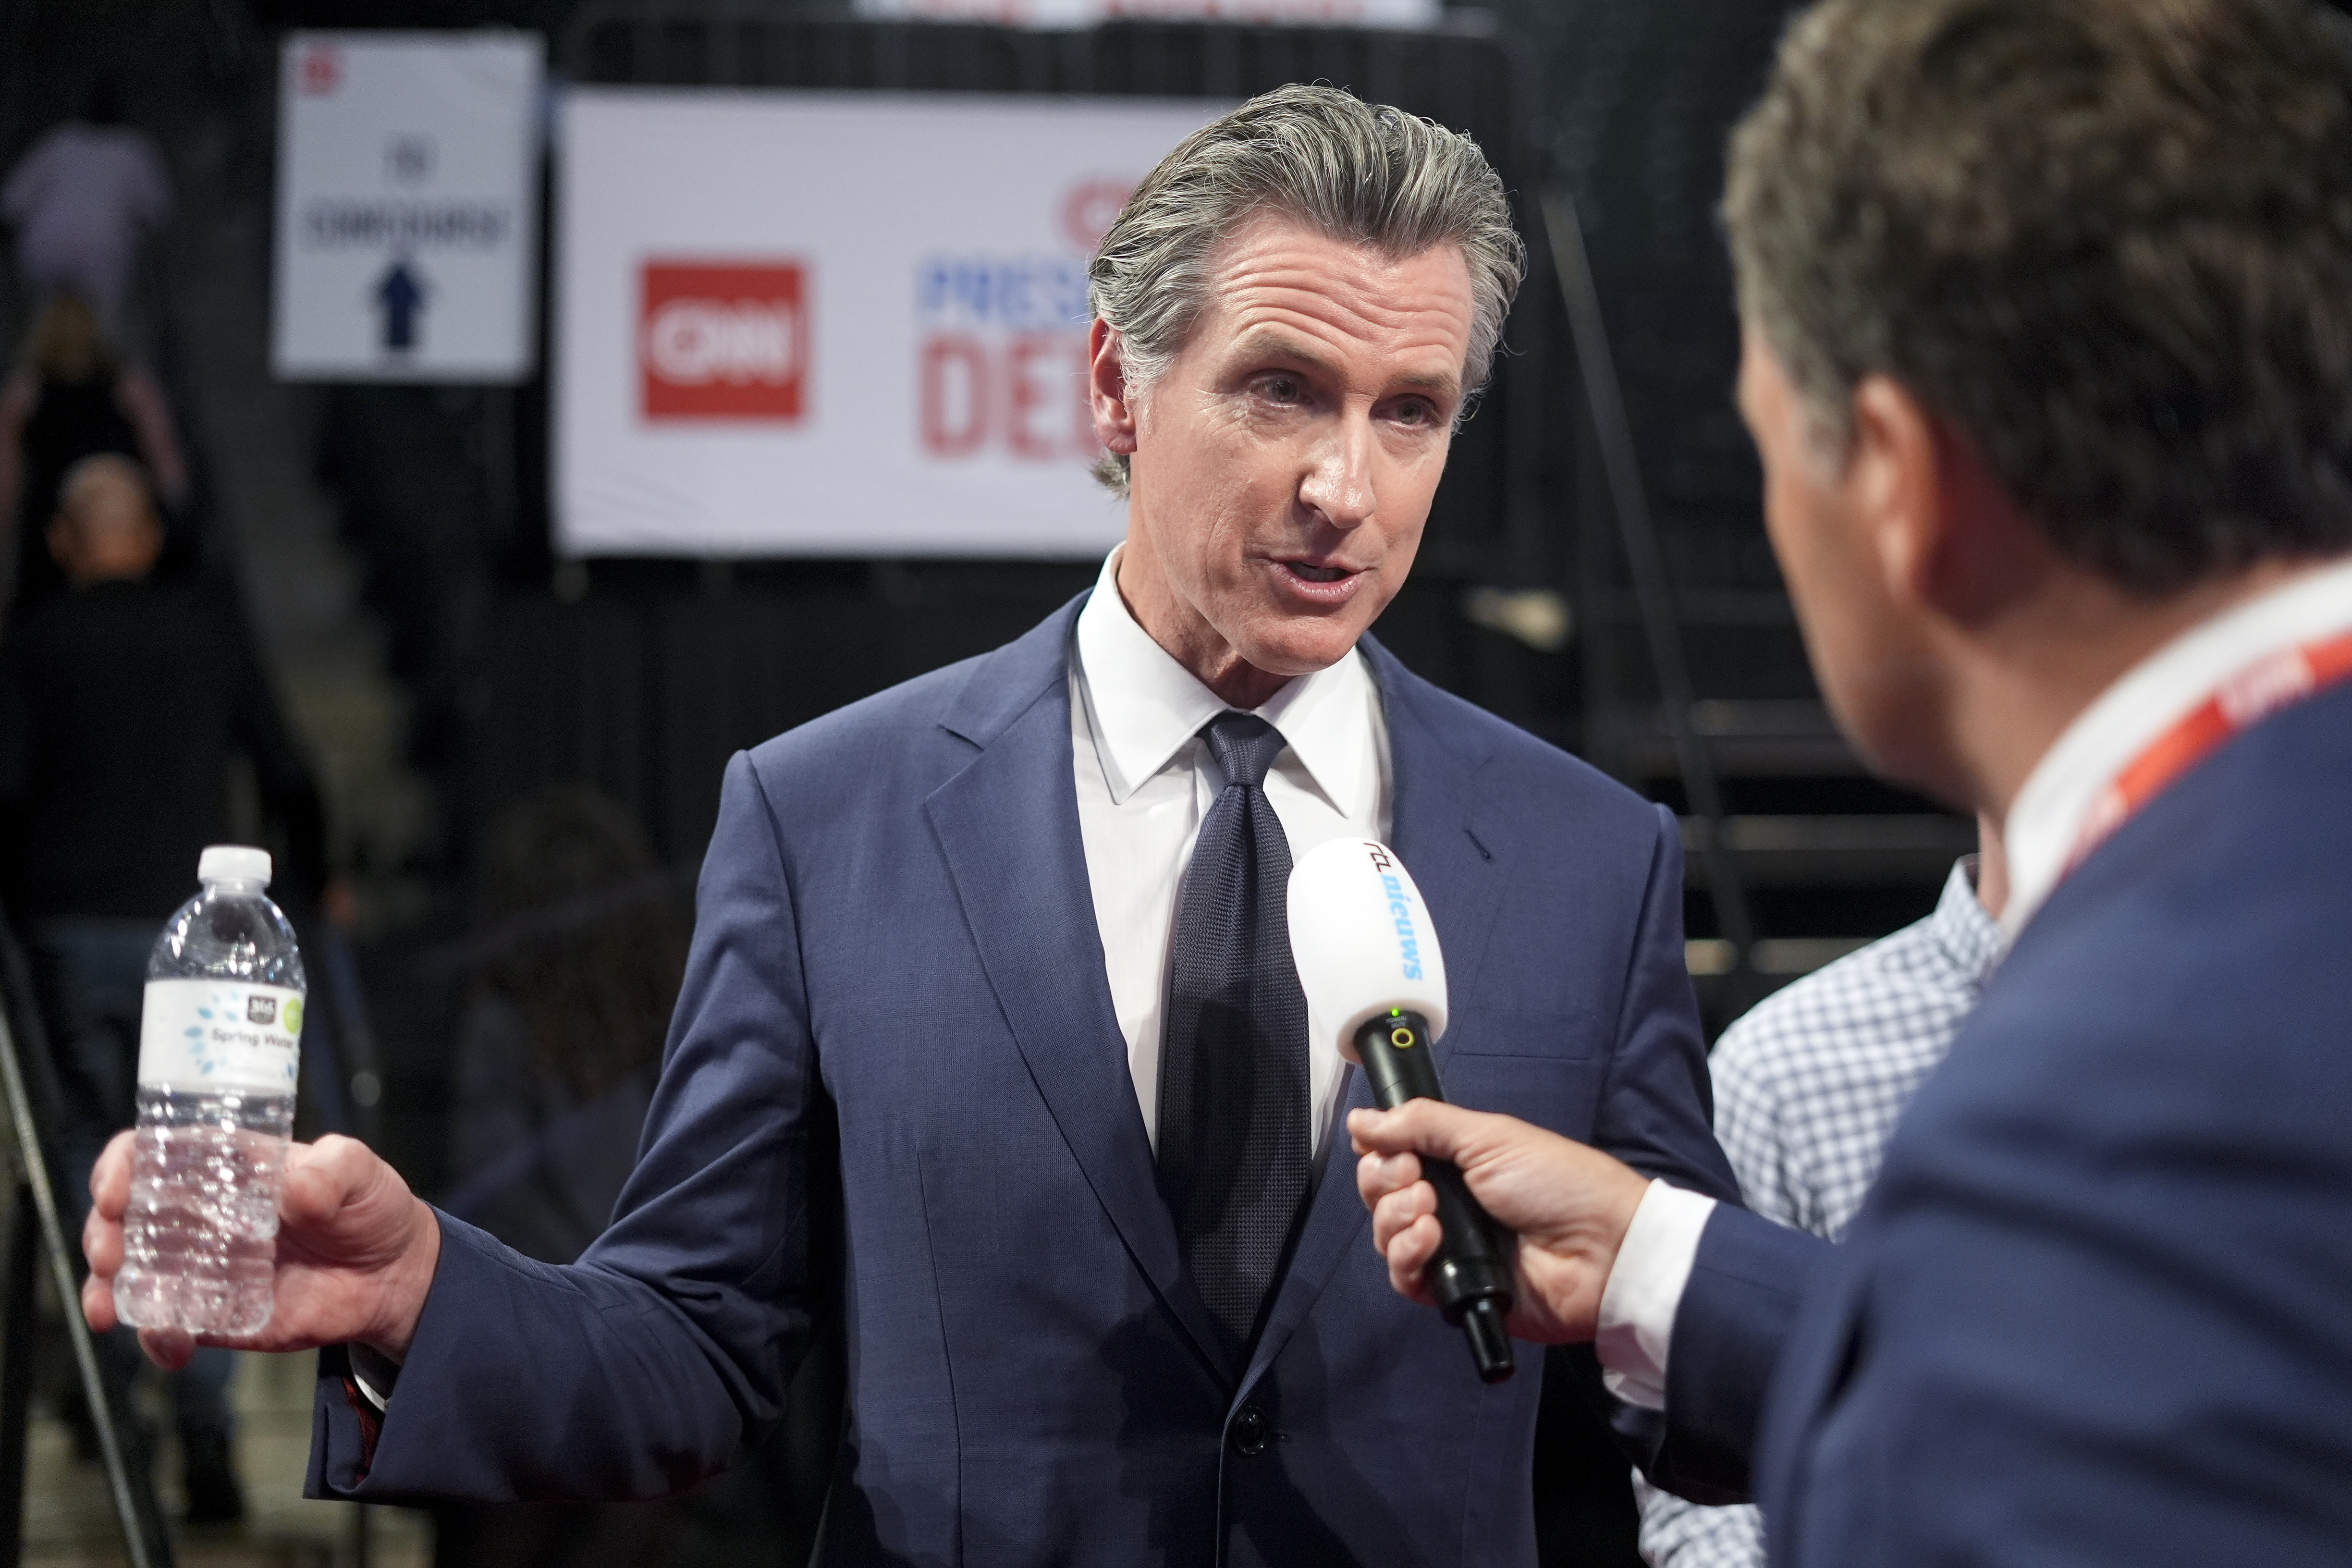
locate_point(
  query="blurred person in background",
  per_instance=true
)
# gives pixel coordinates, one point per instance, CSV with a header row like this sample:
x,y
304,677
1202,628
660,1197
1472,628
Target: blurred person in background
x,y
72,398
82,200
1808,1088
580,954
121,703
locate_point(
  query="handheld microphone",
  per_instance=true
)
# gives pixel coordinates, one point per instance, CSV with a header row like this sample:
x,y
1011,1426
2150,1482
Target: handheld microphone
x,y
1368,962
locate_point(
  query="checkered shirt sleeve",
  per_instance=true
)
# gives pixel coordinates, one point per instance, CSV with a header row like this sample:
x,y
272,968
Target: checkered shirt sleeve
x,y
1808,1088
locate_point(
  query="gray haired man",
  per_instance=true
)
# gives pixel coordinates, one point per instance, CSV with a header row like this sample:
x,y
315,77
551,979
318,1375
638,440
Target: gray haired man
x,y
1017,927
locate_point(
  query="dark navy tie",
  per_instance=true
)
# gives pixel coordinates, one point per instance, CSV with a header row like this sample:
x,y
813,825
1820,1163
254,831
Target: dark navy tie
x,y
1234,1141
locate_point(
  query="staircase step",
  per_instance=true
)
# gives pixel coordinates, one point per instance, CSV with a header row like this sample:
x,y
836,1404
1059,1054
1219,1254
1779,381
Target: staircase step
x,y
1834,851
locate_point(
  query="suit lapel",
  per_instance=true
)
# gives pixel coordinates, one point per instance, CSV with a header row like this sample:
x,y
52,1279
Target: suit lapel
x,y
1008,826
1434,831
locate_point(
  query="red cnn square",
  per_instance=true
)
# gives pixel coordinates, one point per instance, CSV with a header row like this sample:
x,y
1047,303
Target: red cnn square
x,y
724,341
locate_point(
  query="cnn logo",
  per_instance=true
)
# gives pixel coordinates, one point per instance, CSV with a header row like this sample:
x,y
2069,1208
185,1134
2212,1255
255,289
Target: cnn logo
x,y
724,341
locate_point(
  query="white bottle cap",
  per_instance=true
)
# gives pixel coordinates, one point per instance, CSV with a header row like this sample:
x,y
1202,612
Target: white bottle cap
x,y
233,863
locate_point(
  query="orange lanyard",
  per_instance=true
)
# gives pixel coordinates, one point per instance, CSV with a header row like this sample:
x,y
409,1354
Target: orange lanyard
x,y
2253,694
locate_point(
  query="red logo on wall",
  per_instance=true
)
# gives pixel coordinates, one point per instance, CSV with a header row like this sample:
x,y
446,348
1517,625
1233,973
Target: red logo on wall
x,y
724,341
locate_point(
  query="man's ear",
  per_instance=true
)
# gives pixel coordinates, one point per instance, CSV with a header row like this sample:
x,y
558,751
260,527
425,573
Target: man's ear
x,y
1893,486
1950,539
1106,395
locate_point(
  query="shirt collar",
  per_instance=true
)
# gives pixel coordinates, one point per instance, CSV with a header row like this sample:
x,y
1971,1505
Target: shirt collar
x,y
1143,705
2046,819
1967,932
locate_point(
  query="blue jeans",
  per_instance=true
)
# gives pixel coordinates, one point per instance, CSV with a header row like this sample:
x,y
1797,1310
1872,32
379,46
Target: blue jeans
x,y
89,976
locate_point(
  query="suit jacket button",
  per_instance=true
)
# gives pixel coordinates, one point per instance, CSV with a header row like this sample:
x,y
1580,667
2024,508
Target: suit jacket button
x,y
1249,1430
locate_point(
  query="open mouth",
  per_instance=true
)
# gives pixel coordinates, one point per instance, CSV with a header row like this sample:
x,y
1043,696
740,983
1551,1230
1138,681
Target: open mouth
x,y
1309,573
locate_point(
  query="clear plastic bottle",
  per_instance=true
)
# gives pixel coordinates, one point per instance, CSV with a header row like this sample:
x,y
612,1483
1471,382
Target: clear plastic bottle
x,y
219,1049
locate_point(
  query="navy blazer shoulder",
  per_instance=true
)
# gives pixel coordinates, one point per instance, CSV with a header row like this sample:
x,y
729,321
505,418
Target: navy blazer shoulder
x,y
926,730
2095,1309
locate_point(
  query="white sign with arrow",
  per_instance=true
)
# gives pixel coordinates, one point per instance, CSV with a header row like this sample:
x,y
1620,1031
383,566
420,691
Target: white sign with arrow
x,y
407,173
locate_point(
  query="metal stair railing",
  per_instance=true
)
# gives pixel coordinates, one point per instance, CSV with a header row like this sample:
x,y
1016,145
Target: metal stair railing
x,y
37,1237
1654,593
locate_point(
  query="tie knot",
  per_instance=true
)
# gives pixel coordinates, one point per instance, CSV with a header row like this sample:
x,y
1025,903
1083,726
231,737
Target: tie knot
x,y
1243,746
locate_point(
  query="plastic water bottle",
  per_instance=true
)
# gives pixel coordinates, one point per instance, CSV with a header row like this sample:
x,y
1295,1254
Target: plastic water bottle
x,y
219,1047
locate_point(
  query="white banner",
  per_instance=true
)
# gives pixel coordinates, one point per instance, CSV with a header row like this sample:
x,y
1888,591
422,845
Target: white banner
x,y
407,201
834,323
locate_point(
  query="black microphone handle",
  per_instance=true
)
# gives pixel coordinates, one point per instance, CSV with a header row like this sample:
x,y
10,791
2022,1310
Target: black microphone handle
x,y
1471,1275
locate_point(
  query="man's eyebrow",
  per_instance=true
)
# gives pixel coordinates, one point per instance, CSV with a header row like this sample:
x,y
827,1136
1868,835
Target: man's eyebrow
x,y
1273,342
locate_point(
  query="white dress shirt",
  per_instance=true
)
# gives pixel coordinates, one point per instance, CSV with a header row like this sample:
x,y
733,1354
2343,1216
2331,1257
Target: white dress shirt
x,y
2046,823
2051,811
1146,779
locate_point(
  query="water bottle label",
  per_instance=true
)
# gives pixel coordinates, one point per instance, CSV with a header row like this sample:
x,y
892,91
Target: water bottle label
x,y
220,1034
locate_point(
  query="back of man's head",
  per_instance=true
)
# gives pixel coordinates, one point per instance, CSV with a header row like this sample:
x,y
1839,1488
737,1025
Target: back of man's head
x,y
105,529
2109,241
1363,172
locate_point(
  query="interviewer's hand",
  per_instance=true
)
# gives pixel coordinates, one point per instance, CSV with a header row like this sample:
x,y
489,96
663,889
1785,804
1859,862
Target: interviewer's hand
x,y
356,1252
1568,1204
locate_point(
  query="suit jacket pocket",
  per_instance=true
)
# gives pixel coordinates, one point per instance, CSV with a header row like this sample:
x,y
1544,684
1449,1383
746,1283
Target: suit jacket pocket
x,y
1551,1034
1561,1094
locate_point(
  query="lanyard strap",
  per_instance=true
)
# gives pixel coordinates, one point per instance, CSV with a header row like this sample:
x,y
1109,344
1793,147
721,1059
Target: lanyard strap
x,y
2253,694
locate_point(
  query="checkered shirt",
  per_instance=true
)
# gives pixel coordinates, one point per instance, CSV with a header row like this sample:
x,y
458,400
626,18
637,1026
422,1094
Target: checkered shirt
x,y
1808,1087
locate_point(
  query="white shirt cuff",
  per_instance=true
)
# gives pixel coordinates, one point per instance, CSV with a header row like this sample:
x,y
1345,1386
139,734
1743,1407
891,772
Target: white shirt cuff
x,y
367,1392
375,1373
1645,1290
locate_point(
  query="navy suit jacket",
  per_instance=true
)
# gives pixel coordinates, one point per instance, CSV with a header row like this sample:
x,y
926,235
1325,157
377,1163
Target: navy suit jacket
x,y
894,926
2098,1307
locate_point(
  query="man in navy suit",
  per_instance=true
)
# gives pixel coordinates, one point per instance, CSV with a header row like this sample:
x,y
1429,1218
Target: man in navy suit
x,y
1015,927
2048,318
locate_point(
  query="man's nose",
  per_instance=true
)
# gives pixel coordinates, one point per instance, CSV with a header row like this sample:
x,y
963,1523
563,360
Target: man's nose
x,y
1338,485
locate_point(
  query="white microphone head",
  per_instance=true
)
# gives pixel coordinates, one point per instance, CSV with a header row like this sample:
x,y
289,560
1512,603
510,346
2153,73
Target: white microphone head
x,y
1362,940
